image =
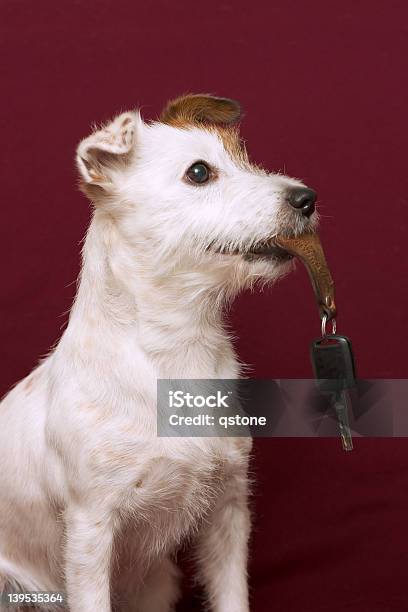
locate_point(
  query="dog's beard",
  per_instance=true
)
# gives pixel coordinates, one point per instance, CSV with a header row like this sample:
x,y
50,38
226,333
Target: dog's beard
x,y
250,270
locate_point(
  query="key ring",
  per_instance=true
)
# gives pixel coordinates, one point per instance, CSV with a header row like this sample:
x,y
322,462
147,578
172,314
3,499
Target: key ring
x,y
324,321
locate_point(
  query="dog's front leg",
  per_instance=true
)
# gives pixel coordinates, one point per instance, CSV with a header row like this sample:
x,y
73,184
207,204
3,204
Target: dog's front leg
x,y
89,537
223,550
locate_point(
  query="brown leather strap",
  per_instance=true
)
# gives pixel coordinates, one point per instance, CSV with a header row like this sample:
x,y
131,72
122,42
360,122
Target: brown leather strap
x,y
308,249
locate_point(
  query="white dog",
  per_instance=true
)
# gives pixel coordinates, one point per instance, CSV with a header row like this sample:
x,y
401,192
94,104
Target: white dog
x,y
92,502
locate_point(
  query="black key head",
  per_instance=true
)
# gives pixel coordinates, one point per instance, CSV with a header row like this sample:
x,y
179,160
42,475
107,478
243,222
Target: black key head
x,y
333,363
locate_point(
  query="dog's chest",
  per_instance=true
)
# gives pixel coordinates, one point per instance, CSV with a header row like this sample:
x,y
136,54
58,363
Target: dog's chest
x,y
176,490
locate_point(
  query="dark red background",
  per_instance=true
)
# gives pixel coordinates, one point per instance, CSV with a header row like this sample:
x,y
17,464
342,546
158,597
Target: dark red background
x,y
324,87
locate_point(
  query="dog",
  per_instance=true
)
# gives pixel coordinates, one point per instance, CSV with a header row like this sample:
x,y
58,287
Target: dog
x,y
92,502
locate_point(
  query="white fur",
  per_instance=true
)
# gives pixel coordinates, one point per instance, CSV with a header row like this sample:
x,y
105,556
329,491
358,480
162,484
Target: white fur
x,y
91,501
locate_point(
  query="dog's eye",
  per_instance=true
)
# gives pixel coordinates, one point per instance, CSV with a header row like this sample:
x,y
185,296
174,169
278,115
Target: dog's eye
x,y
198,173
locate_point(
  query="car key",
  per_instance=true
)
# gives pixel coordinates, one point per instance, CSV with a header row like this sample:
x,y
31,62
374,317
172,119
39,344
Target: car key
x,y
334,369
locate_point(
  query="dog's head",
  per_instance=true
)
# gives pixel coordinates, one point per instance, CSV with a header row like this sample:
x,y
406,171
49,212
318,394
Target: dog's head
x,y
186,196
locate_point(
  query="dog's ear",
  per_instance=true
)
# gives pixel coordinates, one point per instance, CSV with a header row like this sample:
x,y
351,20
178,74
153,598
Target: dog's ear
x,y
102,155
201,109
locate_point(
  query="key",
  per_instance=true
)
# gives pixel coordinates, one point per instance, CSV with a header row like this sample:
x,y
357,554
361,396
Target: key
x,y
341,408
334,368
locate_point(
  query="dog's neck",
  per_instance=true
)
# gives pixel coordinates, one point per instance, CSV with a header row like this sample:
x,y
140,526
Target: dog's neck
x,y
123,308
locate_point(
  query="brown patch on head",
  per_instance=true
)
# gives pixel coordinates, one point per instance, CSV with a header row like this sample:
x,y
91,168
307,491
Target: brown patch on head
x,y
199,109
233,144
217,115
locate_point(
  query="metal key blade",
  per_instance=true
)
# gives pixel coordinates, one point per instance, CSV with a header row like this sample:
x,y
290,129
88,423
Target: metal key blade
x,y
341,408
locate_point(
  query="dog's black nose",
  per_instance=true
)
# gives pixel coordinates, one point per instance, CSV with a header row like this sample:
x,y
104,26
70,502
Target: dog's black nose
x,y
303,199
